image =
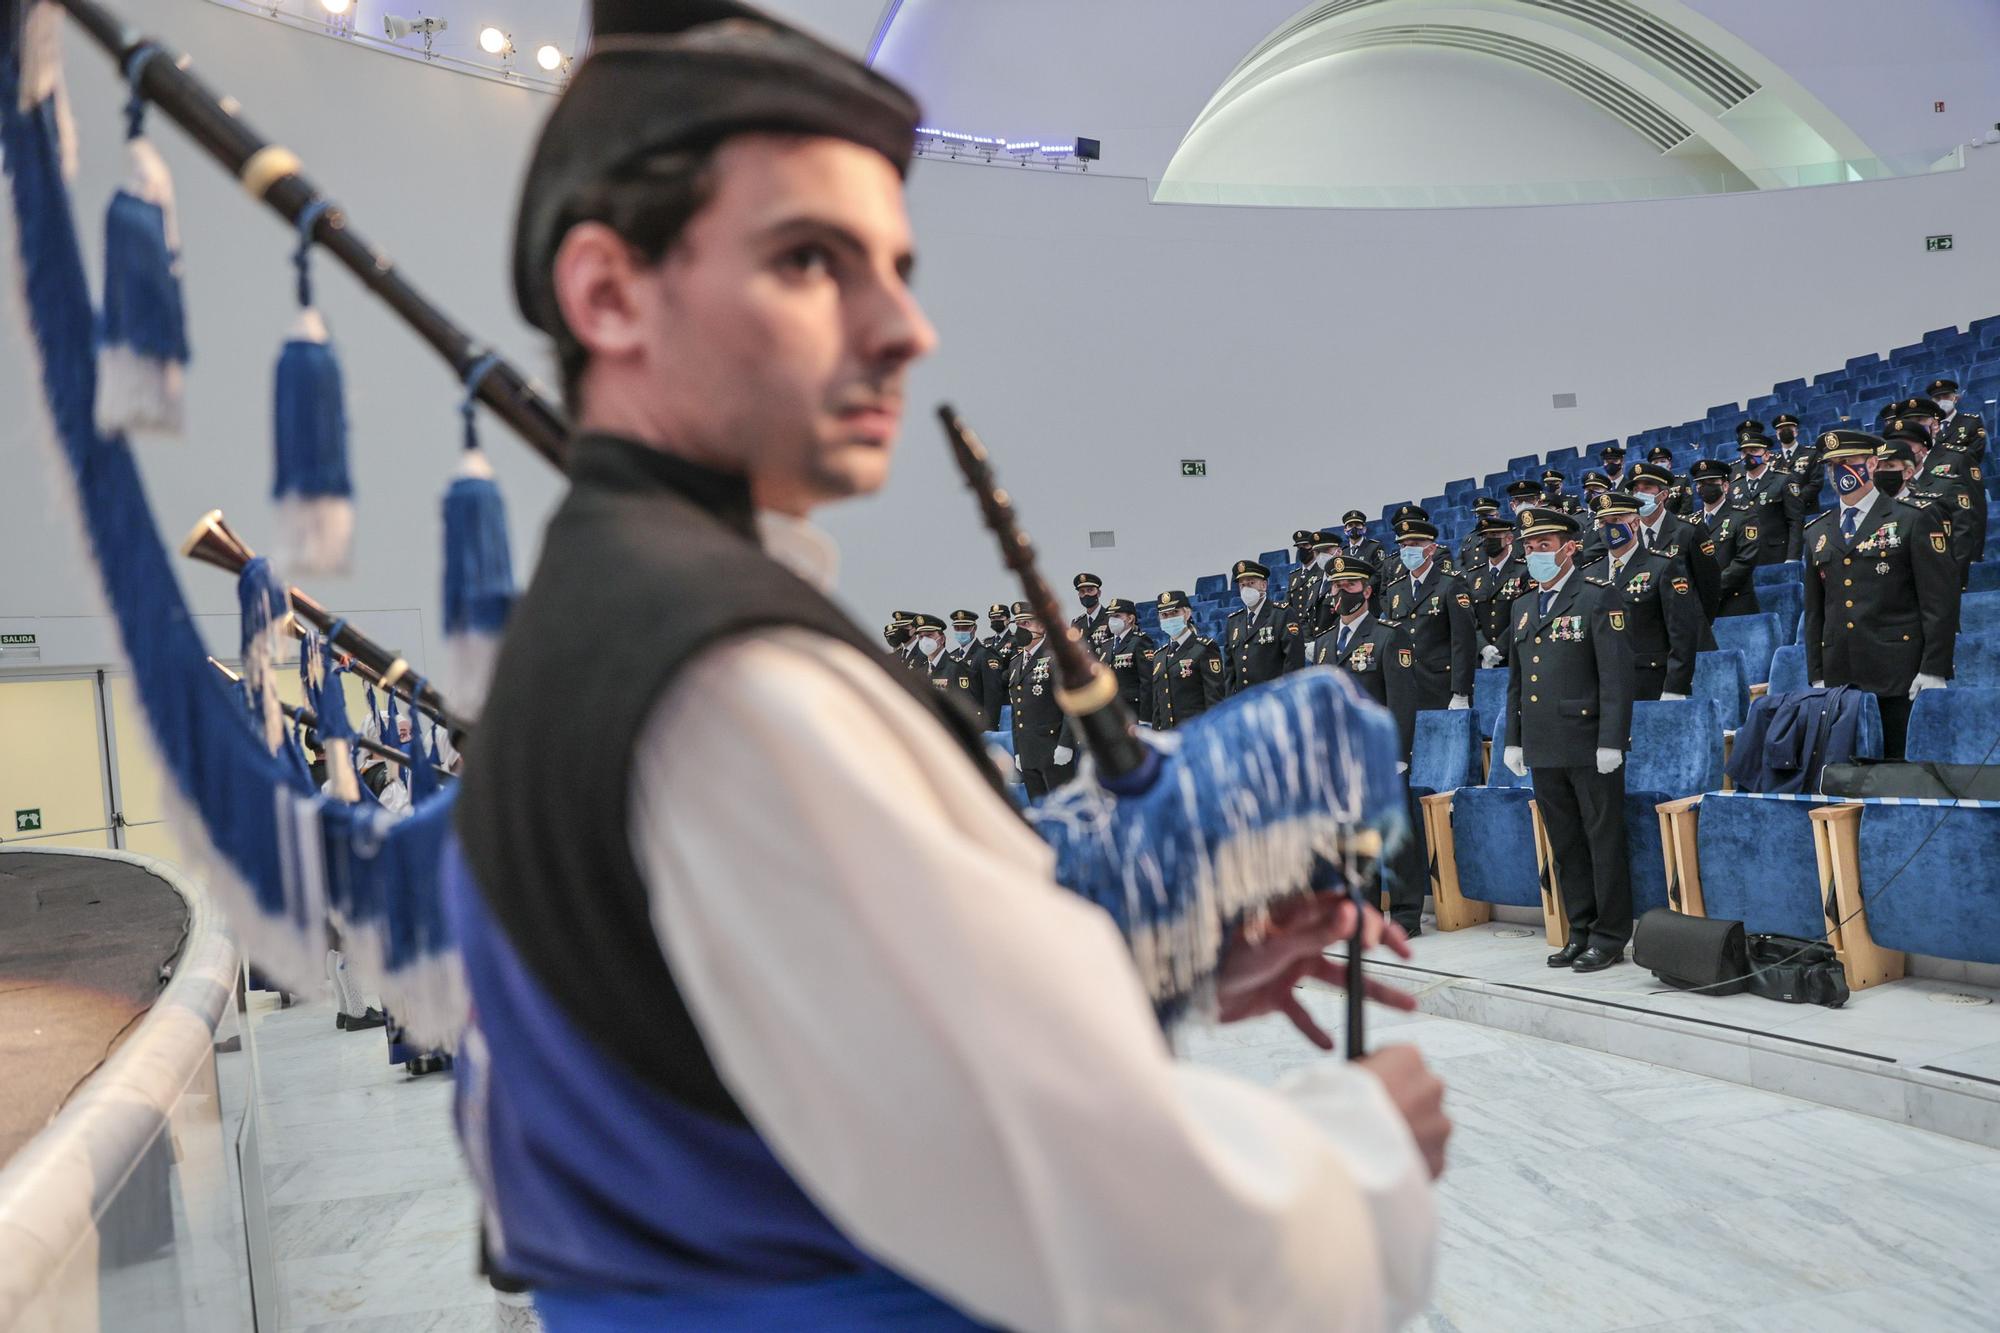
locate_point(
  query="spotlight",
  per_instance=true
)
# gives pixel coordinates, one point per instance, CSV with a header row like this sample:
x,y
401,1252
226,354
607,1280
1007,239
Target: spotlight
x,y
495,42
336,7
397,28
549,57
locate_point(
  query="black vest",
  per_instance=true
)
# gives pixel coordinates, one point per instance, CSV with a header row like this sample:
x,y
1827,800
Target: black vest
x,y
624,596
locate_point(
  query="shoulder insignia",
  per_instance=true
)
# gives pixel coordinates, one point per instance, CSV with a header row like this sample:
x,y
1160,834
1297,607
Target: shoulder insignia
x,y
1146,653
1292,627
1215,664
1708,548
1920,504
1749,534
1617,619
1681,586
1793,487
1975,467
1964,500
1596,582
1465,601
1938,542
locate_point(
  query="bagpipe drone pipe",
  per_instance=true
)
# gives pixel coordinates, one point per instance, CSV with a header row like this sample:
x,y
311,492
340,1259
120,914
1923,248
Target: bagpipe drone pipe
x,y
1284,790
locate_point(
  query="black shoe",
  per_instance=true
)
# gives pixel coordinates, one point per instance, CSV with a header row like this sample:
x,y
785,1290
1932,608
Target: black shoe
x,y
1412,928
359,1022
1595,959
1566,955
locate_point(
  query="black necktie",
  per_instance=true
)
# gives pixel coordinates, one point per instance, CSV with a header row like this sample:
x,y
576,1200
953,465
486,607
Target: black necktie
x,y
1340,649
1547,598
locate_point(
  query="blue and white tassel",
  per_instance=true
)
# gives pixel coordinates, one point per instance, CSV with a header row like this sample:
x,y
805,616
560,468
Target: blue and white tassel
x,y
312,486
42,76
142,346
478,566
265,608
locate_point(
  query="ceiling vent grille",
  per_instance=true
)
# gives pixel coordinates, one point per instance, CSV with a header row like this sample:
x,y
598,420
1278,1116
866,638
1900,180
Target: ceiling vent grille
x,y
1641,113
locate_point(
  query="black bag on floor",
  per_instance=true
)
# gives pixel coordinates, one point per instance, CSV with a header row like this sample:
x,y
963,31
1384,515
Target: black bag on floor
x,y
1691,952
1796,971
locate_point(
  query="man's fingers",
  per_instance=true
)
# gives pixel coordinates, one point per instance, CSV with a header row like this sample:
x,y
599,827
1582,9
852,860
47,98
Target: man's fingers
x,y
1303,1021
1334,973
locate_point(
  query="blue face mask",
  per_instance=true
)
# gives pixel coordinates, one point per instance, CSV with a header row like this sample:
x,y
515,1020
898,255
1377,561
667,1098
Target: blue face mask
x,y
1647,503
1543,566
961,637
1413,557
1171,626
1847,477
1616,535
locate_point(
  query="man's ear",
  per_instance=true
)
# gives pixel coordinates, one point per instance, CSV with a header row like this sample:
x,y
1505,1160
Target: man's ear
x,y
596,278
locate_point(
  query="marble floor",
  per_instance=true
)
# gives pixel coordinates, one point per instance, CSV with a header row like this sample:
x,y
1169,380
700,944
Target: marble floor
x,y
1586,1192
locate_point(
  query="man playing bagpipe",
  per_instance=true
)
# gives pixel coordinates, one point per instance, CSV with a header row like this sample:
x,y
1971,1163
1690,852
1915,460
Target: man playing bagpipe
x,y
780,1016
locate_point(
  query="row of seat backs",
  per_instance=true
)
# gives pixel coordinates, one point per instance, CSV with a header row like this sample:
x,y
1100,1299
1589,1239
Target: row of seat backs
x,y
1926,870
1676,748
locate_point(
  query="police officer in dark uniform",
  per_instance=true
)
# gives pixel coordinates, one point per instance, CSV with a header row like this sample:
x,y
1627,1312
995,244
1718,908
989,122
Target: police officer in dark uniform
x,y
1303,540
1881,588
1569,723
1611,459
1945,394
1253,645
1309,610
1594,485
1356,544
1128,651
1727,526
1187,668
1945,478
892,635
1798,459
1552,492
1433,644
1044,749
934,659
1662,619
1678,496
1355,643
904,623
1494,582
1469,557
1521,493
1090,596
983,670
1775,509
1662,530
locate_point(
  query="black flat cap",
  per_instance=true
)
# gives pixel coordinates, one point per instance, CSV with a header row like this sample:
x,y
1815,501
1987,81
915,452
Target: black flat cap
x,y
1248,569
664,75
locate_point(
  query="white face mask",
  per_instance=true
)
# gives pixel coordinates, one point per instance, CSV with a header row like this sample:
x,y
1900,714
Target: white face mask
x,y
929,644
1252,597
1945,405
1120,625
1322,558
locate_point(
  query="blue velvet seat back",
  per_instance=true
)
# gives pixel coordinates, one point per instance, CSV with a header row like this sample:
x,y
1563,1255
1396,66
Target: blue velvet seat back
x,y
1643,854
1947,903
1004,738
1676,749
1489,696
1786,601
1788,571
1719,676
1788,670
1444,754
1976,660
1960,725
1495,838
1979,612
1756,637
1210,584
1758,865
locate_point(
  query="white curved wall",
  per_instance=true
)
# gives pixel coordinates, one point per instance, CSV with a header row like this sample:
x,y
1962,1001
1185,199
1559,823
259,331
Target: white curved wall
x,y
1418,116
1317,358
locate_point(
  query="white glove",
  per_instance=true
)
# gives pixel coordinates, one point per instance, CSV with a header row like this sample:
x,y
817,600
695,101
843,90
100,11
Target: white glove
x,y
1017,763
1819,684
1489,656
1669,694
1064,754
1459,702
1924,682
1511,756
1609,760
1402,767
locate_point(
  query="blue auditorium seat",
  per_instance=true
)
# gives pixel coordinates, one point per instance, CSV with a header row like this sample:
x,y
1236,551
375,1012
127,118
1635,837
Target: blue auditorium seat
x,y
1927,878
1495,483
1564,456
1860,363
1758,865
1960,725
1444,752
1274,558
1788,670
1979,612
1719,676
1210,584
1944,338
1757,637
1676,752
1790,389
1911,355
1976,660
1764,408
1007,725
1489,696
1434,504
1495,835
1786,601
1461,491
1527,465
1985,575
1788,571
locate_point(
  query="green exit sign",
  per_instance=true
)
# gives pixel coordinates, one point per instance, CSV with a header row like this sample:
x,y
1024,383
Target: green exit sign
x,y
17,640
1937,242
1194,467
27,821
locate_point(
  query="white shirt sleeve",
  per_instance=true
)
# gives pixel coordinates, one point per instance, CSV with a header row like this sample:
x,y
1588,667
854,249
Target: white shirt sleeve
x,y
954,1056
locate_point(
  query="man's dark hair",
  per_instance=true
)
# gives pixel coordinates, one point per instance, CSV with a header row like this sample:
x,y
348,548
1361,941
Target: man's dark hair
x,y
649,205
